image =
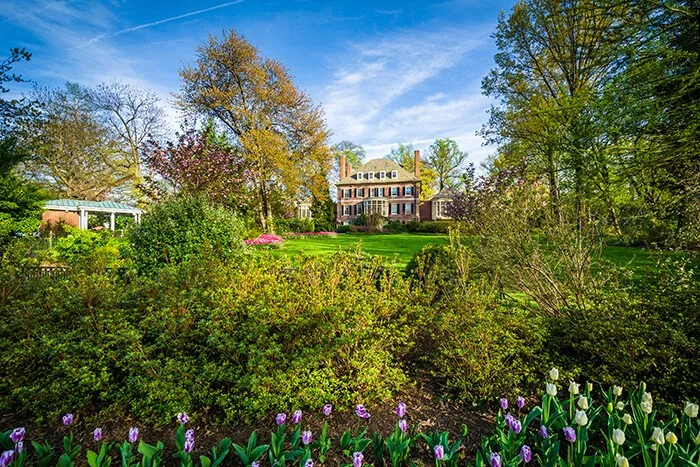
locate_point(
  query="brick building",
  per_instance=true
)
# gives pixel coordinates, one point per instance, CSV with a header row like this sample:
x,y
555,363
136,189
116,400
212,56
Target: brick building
x,y
379,186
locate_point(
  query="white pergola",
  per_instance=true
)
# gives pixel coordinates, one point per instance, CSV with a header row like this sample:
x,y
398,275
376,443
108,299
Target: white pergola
x,y
83,208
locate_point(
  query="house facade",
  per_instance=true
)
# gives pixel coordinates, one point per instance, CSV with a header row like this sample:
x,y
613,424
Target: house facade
x,y
436,208
379,186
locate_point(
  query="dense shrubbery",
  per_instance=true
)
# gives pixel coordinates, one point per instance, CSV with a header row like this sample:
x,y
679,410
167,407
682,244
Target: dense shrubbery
x,y
295,225
439,227
221,341
87,246
180,229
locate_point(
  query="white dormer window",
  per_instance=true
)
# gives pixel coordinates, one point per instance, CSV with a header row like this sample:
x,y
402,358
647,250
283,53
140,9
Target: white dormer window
x,y
382,175
370,176
359,175
394,174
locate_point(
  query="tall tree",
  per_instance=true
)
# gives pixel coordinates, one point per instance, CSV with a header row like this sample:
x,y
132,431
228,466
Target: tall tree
x,y
13,111
74,155
131,115
445,158
280,132
354,154
403,155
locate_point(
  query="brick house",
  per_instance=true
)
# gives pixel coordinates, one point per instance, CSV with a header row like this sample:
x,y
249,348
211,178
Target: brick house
x,y
379,186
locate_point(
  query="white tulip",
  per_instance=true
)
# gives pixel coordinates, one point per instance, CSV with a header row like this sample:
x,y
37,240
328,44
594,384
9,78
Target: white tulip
x,y
581,418
627,419
589,386
622,461
691,410
617,390
646,397
620,405
646,407
554,374
551,389
582,402
658,436
573,387
618,437
671,437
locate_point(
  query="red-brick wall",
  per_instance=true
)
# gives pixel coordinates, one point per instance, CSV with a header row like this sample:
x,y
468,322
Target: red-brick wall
x,y
426,210
356,198
55,217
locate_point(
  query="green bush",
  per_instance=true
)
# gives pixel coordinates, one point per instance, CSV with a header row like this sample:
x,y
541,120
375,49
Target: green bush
x,y
180,230
87,246
343,228
440,227
396,227
295,225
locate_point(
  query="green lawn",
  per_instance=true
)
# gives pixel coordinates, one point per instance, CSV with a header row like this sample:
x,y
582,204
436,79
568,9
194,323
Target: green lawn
x,y
401,247
397,247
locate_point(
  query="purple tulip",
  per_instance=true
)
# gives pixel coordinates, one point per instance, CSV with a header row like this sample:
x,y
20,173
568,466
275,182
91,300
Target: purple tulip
x,y
281,418
133,435
516,426
520,402
526,453
361,411
6,458
182,418
357,459
439,452
17,435
296,417
255,464
306,437
403,426
189,446
19,447
504,403
97,435
309,463
544,433
495,459
189,435
68,419
327,409
569,434
401,410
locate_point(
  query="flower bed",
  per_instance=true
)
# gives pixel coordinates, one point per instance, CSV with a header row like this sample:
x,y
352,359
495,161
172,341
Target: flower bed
x,y
265,240
589,426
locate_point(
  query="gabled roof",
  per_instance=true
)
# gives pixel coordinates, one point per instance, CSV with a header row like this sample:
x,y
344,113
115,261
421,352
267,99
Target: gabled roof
x,y
74,204
375,166
445,193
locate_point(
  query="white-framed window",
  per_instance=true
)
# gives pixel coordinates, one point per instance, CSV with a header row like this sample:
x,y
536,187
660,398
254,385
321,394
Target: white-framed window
x,y
394,191
346,210
394,208
408,190
347,193
361,192
408,208
359,175
382,175
394,174
370,176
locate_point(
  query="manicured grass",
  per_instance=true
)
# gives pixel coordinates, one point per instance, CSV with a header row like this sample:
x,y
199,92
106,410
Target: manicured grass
x,y
401,247
397,247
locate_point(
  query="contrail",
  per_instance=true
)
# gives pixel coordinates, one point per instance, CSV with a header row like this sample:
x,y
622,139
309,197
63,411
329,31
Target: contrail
x,y
156,23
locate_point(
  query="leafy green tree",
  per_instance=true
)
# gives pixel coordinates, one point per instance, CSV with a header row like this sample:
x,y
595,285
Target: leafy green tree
x,y
354,155
403,155
445,158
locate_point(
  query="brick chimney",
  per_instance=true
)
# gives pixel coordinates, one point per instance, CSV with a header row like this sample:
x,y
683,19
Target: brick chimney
x,y
416,163
349,171
342,166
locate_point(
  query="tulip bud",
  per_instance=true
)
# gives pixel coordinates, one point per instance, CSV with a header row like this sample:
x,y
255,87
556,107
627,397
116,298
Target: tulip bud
x,y
622,461
609,407
306,437
554,374
569,434
691,410
620,405
697,439
296,417
671,437
582,402
133,435
403,426
617,391
357,459
68,419
589,386
503,403
439,451
573,387
526,453
618,437
6,458
643,386
182,418
327,409
627,418
97,435
255,464
581,418
551,389
658,436
401,410
281,418
309,463
495,459
520,402
544,433
17,435
646,407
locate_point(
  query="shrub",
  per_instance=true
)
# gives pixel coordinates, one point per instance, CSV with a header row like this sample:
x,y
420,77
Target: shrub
x,y
265,241
295,225
179,230
343,228
394,226
440,227
89,247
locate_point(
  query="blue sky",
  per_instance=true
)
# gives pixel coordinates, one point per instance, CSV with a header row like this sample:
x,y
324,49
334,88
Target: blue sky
x,y
385,72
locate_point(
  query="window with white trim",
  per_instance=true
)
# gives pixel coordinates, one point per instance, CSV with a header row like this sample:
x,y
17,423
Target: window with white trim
x,y
361,192
408,208
347,193
346,210
359,175
408,191
394,174
370,176
394,191
395,208
382,175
